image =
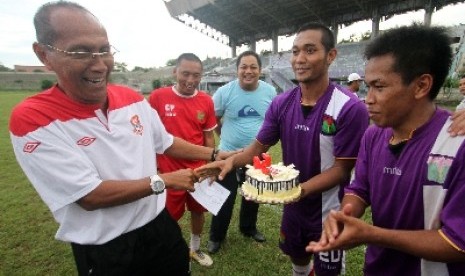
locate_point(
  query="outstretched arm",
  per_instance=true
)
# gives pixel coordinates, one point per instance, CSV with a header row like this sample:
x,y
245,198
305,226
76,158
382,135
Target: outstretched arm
x,y
240,159
185,150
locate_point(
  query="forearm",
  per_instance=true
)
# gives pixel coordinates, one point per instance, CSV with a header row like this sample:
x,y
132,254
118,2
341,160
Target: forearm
x,y
246,156
185,150
112,193
209,139
358,205
426,244
338,174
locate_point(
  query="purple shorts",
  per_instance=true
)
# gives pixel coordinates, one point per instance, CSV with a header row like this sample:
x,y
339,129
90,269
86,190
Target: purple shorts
x,y
296,233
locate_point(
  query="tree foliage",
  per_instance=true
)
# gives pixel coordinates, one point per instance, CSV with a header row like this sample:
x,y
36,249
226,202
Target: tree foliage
x,y
156,83
120,67
46,84
3,68
140,69
171,62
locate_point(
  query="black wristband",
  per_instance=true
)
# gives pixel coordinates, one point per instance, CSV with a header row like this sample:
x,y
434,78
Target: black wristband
x,y
214,153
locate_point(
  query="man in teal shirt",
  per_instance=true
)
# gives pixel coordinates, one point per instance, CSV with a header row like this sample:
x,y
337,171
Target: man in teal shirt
x,y
240,108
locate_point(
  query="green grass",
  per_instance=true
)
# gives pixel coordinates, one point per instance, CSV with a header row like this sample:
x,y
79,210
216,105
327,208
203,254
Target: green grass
x,y
27,229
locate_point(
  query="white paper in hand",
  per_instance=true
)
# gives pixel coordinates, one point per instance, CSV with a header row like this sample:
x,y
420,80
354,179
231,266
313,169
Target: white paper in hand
x,y
210,196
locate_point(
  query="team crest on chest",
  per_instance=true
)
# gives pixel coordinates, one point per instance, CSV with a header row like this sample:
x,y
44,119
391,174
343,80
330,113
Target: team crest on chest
x,y
169,110
438,166
200,115
328,127
138,128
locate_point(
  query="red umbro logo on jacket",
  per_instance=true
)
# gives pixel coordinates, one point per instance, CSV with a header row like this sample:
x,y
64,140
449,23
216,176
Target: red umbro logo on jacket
x,y
29,147
85,141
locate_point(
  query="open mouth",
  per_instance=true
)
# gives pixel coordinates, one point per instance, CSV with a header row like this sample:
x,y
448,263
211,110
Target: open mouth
x,y
95,81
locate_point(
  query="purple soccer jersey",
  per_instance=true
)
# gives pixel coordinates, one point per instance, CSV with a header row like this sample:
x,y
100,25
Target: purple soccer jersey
x,y
395,185
332,129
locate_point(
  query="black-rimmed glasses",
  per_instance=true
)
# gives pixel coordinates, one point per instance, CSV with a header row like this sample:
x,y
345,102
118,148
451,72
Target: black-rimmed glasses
x,y
85,56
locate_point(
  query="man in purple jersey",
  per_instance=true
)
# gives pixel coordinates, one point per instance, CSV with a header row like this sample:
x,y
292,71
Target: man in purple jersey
x,y
409,170
320,125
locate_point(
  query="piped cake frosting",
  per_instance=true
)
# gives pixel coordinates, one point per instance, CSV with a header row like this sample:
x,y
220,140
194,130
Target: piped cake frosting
x,y
271,183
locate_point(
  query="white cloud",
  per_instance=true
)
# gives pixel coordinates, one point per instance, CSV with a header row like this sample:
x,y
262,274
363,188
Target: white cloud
x,y
147,36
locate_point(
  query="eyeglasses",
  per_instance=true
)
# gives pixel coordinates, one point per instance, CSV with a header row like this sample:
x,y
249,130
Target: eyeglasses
x,y
85,56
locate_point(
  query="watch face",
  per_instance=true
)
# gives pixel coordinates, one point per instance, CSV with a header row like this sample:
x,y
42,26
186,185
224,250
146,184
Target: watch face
x,y
159,186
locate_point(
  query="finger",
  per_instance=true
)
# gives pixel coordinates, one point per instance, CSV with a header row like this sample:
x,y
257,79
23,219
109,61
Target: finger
x,y
314,247
348,209
331,227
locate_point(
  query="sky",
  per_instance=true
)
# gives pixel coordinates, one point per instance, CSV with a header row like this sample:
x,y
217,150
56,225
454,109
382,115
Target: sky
x,y
147,36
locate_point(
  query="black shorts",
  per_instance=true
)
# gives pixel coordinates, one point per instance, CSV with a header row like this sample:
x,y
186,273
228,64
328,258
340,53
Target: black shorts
x,y
156,248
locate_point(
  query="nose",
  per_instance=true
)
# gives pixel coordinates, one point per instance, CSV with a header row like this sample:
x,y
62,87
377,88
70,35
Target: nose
x,y
299,57
369,99
100,63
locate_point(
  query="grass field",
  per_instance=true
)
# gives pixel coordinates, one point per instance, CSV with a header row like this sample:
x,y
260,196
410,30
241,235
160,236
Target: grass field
x,y
27,229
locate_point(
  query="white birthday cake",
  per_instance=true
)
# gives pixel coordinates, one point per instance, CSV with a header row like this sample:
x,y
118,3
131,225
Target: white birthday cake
x,y
267,183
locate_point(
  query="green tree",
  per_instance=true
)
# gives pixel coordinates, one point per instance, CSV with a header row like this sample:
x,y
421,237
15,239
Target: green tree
x,y
3,68
46,84
120,67
156,83
140,69
171,62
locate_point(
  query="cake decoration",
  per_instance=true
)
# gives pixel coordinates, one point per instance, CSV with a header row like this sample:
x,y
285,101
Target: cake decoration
x,y
271,183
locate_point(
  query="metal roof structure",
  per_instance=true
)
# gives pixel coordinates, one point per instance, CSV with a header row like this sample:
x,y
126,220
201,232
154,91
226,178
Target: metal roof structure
x,y
238,22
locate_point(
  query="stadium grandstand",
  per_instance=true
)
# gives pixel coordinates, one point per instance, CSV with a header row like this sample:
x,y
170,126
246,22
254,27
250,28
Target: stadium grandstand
x,y
244,22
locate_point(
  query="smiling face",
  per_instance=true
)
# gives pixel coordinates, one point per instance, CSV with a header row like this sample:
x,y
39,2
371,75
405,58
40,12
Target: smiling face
x,y
248,72
83,80
309,60
390,102
188,75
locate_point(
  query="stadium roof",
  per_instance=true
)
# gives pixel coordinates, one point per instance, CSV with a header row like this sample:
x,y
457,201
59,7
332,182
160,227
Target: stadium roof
x,y
241,21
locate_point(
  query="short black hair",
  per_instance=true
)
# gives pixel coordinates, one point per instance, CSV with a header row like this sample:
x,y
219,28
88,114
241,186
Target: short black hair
x,y
45,33
417,50
249,53
190,57
328,40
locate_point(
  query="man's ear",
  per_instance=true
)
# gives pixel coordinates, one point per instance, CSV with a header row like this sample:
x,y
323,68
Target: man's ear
x,y
41,54
332,55
423,86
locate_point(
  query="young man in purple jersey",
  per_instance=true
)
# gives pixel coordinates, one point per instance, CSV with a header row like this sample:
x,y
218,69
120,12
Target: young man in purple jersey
x,y
409,170
320,125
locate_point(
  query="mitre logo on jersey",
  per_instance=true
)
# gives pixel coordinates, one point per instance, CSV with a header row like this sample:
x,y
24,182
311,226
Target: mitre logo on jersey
x,y
138,128
85,141
169,110
200,115
29,147
328,127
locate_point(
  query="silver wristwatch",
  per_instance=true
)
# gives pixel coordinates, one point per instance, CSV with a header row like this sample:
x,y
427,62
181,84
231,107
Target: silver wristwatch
x,y
157,184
